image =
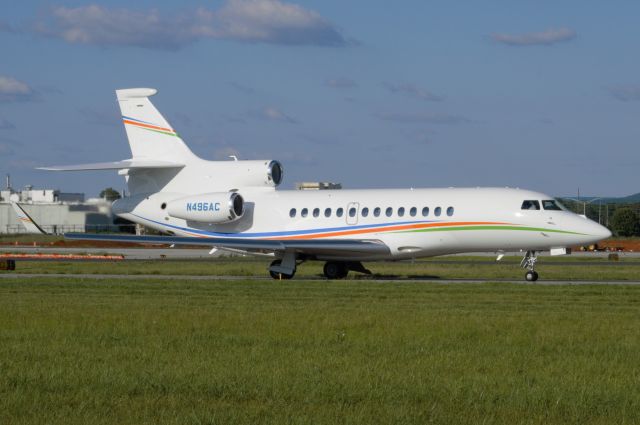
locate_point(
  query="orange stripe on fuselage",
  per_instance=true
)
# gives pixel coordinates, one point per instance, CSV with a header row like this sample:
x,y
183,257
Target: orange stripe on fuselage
x,y
153,127
390,229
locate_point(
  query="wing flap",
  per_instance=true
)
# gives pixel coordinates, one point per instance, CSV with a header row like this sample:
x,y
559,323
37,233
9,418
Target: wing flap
x,y
116,165
311,247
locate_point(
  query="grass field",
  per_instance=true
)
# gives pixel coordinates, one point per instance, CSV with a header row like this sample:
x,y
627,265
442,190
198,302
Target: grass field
x,y
572,268
356,351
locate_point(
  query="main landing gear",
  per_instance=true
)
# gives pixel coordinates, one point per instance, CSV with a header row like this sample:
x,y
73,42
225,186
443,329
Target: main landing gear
x,y
529,263
276,264
335,270
285,268
340,269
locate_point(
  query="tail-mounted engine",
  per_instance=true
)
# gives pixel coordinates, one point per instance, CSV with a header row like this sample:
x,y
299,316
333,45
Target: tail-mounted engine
x,y
242,174
208,207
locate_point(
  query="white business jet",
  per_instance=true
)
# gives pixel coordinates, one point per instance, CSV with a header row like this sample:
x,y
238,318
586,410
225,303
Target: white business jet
x,y
234,206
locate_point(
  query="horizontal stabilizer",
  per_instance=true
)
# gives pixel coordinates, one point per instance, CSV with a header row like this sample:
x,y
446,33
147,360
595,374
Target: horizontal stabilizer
x,y
116,165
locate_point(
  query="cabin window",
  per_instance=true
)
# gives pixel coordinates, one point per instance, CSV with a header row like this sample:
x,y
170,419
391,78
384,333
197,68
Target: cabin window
x,y
413,211
376,212
425,211
401,212
304,212
327,212
339,212
316,212
530,205
292,212
450,211
389,212
352,212
365,212
550,204
437,211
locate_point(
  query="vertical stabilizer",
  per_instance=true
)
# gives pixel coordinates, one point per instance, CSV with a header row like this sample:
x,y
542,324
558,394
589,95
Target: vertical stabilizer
x,y
27,221
150,135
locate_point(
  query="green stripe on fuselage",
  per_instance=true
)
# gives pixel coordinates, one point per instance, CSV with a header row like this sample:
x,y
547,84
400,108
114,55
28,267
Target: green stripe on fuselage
x,y
459,228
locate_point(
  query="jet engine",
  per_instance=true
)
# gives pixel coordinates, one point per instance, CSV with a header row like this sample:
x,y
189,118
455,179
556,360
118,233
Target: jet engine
x,y
208,207
240,174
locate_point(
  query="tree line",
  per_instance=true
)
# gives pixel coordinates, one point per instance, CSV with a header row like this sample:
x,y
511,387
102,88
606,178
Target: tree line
x,y
622,219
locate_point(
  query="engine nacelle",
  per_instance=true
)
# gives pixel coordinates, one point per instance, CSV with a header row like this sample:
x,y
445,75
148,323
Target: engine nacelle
x,y
239,174
208,207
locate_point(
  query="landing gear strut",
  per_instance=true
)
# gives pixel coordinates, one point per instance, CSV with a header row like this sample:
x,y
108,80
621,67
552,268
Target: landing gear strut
x,y
529,263
280,275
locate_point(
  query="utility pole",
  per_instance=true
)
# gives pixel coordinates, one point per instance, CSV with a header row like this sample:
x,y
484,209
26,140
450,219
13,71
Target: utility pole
x,y
599,208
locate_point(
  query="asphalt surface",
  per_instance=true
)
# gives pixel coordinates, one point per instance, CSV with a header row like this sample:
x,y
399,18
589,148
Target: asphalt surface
x,y
197,253
203,254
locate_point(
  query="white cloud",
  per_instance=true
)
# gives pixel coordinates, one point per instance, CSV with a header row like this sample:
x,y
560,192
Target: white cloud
x,y
425,117
100,116
341,83
272,113
411,90
6,125
12,90
252,21
548,37
626,93
242,88
6,148
5,27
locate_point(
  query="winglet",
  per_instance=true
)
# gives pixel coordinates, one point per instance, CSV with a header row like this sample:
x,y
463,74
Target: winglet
x,y
26,220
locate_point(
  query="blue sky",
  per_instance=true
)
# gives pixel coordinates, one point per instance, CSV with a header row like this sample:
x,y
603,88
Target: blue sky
x,y
542,95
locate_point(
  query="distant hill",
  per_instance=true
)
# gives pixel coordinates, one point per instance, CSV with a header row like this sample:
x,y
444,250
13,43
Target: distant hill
x,y
631,199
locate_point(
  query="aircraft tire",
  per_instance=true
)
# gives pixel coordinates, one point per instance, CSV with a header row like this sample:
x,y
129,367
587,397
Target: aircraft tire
x,y
335,270
531,276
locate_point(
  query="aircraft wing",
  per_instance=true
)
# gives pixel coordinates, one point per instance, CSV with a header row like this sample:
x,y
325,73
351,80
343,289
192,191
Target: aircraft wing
x,y
313,247
116,165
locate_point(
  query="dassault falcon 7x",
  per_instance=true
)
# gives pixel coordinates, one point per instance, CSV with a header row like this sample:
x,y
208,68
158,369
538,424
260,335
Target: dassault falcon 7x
x,y
234,206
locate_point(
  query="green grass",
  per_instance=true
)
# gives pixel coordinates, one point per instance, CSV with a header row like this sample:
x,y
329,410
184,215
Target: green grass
x,y
464,267
218,352
29,239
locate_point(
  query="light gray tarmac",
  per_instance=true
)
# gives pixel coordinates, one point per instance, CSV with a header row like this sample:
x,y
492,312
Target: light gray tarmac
x,y
199,253
30,276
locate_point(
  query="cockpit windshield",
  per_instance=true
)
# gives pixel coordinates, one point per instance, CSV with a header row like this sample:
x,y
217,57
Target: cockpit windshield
x,y
530,205
553,205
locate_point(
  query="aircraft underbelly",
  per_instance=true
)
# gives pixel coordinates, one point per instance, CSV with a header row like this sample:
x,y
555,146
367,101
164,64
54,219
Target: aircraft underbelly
x,y
450,242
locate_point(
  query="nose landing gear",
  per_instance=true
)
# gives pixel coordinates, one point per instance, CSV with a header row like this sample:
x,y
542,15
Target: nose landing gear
x,y
529,263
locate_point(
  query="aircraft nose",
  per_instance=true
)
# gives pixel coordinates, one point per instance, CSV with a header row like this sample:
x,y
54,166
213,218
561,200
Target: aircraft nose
x,y
599,231
604,232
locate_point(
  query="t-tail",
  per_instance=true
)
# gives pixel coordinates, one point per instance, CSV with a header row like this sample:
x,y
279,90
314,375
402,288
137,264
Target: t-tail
x,y
161,162
150,136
